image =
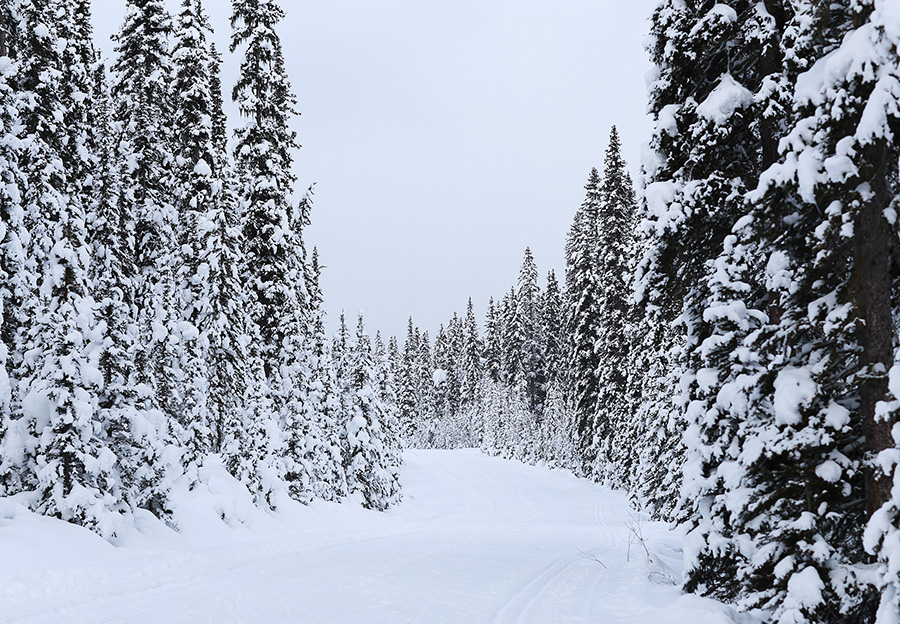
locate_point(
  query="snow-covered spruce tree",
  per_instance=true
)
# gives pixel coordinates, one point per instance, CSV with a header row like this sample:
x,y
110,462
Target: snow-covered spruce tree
x,y
744,287
90,164
274,266
223,326
471,357
826,214
213,327
85,118
371,465
141,87
615,254
340,362
292,378
263,157
111,275
493,365
530,335
445,378
440,425
472,371
510,343
198,186
12,233
455,378
67,461
141,81
554,324
706,151
212,290
395,356
322,405
425,391
582,291
556,425
782,410
516,424
390,424
406,387
447,422
491,382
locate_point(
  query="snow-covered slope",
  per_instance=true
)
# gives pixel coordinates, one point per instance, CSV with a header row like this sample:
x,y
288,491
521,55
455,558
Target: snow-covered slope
x,y
477,539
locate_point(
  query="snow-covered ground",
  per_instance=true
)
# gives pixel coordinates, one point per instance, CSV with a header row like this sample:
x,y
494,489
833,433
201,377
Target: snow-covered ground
x,y
477,539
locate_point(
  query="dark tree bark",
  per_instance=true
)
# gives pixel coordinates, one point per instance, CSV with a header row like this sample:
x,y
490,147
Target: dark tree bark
x,y
871,290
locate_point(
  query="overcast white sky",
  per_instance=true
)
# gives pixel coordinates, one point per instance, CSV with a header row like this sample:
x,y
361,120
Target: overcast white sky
x,y
445,136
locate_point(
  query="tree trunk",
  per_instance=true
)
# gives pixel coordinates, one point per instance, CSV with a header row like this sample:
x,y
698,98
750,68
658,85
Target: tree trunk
x,y
871,291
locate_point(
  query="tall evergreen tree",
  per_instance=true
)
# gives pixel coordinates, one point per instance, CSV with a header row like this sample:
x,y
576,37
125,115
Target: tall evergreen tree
x,y
510,340
453,365
370,463
493,338
141,79
407,383
830,339
582,290
12,233
142,75
707,150
554,327
263,155
615,254
783,358
390,423
322,405
112,273
426,397
556,426
197,179
219,119
471,357
69,464
440,414
275,258
214,294
530,335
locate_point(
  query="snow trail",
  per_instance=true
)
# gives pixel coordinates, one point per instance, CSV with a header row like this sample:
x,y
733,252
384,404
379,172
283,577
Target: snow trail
x,y
476,539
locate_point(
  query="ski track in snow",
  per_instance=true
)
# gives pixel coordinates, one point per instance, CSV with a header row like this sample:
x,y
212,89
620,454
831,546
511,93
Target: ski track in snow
x,y
476,539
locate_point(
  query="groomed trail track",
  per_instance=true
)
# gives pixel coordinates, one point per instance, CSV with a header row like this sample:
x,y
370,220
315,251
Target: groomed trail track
x,y
476,540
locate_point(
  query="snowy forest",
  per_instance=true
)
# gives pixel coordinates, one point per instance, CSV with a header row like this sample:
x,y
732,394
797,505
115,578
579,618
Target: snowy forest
x,y
160,310
724,344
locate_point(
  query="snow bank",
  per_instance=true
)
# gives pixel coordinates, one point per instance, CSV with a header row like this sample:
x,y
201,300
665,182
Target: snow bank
x,y
477,539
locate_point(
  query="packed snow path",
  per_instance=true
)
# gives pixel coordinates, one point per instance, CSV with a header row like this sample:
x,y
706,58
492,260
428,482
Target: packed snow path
x,y
477,539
